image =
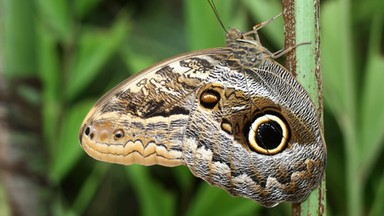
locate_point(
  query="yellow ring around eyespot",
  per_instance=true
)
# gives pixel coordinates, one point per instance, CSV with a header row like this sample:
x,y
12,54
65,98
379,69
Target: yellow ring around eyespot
x,y
252,134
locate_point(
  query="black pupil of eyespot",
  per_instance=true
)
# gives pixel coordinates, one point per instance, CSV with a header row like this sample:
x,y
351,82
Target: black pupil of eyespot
x,y
87,131
269,135
118,134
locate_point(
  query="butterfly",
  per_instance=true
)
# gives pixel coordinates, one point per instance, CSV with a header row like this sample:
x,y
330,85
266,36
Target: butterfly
x,y
233,115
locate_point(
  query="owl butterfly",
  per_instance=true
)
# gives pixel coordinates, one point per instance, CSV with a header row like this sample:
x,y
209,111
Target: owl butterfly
x,y
232,115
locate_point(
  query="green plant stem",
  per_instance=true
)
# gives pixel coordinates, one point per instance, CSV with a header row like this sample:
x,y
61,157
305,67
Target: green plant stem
x,y
305,17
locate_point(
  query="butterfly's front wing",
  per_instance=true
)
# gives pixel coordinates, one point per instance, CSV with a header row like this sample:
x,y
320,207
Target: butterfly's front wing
x,y
143,119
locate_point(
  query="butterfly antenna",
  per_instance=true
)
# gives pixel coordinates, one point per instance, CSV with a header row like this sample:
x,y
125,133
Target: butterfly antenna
x,y
213,6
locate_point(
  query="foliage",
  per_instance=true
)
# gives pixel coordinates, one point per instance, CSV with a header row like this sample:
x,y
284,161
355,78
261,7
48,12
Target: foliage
x,y
80,49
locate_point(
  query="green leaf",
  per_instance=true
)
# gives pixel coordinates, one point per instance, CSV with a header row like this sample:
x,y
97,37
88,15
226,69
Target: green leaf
x,y
68,150
89,188
377,206
210,200
154,199
56,15
372,101
50,75
134,61
363,11
18,44
4,203
202,28
94,49
336,76
340,93
83,7
184,178
262,11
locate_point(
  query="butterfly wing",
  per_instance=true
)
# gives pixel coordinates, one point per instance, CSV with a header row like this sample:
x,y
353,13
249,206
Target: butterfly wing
x,y
230,144
143,119
235,117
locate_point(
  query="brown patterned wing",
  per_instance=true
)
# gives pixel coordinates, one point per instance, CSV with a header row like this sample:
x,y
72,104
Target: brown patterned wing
x,y
143,119
234,116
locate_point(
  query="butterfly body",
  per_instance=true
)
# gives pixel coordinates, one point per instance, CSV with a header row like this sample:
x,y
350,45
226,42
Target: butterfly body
x,y
232,115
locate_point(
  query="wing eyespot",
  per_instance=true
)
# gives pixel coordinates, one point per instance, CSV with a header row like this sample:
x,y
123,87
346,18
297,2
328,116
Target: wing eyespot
x,y
87,131
118,134
226,126
268,134
209,98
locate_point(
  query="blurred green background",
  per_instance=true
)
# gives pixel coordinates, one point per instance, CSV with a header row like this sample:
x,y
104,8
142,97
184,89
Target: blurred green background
x,y
57,57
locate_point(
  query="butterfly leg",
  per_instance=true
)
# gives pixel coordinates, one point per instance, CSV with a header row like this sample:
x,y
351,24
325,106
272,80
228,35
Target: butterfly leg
x,y
284,51
259,26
